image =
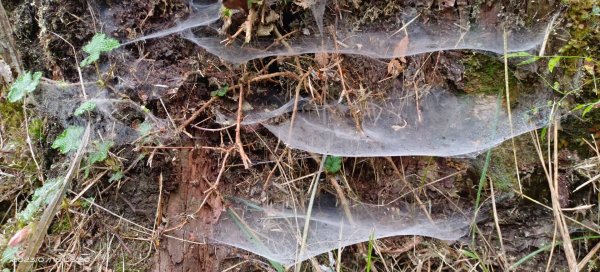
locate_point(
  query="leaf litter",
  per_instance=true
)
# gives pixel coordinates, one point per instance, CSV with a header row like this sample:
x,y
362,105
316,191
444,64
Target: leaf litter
x,y
438,123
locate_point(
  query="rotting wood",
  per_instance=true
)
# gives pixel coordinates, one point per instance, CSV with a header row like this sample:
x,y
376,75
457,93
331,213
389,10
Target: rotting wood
x,y
187,220
7,43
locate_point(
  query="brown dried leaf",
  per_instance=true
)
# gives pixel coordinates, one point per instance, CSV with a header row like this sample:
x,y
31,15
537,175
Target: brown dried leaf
x,y
395,68
401,48
322,59
305,3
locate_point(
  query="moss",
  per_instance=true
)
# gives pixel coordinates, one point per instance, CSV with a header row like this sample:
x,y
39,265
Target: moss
x,y
584,28
63,225
12,115
485,74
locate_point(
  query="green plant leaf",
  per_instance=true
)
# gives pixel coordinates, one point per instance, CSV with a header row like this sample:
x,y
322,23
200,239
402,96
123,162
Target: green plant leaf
x,y
333,164
41,197
25,83
98,45
86,106
100,152
553,62
9,254
529,61
518,55
68,140
145,128
588,109
221,91
116,176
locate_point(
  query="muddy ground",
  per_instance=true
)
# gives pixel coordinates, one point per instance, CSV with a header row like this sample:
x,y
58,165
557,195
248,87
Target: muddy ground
x,y
149,219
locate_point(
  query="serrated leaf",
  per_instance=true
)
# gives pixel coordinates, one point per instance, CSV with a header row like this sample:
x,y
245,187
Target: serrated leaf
x,y
333,164
529,61
100,152
41,197
25,83
98,45
553,62
518,55
86,106
9,254
221,91
68,140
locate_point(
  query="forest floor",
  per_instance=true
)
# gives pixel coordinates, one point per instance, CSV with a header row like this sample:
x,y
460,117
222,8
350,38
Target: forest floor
x,y
172,173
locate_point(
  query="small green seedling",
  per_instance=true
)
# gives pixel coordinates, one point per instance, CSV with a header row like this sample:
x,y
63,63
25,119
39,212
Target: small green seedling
x,y
99,154
86,106
333,164
98,45
26,83
221,91
68,140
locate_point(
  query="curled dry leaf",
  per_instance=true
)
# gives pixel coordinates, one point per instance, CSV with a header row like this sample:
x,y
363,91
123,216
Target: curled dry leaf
x,y
19,237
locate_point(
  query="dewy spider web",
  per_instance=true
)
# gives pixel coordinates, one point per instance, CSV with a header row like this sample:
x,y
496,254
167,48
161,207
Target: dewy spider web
x,y
438,123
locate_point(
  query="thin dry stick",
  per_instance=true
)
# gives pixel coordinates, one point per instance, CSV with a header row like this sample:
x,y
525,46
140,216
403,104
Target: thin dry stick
x,y
343,199
497,223
296,100
315,185
238,130
552,248
196,113
588,257
559,217
30,145
417,198
41,228
507,88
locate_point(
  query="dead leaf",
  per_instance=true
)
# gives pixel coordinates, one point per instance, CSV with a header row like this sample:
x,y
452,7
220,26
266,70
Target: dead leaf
x,y
322,59
5,73
305,3
401,48
395,68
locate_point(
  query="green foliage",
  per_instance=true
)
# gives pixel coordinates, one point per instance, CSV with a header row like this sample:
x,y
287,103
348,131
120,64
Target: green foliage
x,y
587,107
333,164
221,91
9,254
116,176
98,45
370,253
36,129
86,106
68,140
41,197
253,2
145,128
99,154
26,83
553,62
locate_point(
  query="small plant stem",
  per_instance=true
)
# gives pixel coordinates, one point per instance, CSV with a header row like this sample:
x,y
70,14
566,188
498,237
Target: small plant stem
x,y
238,130
510,120
497,223
315,185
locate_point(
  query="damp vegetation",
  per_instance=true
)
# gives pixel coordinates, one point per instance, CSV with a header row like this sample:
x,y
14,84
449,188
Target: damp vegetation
x,y
306,135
